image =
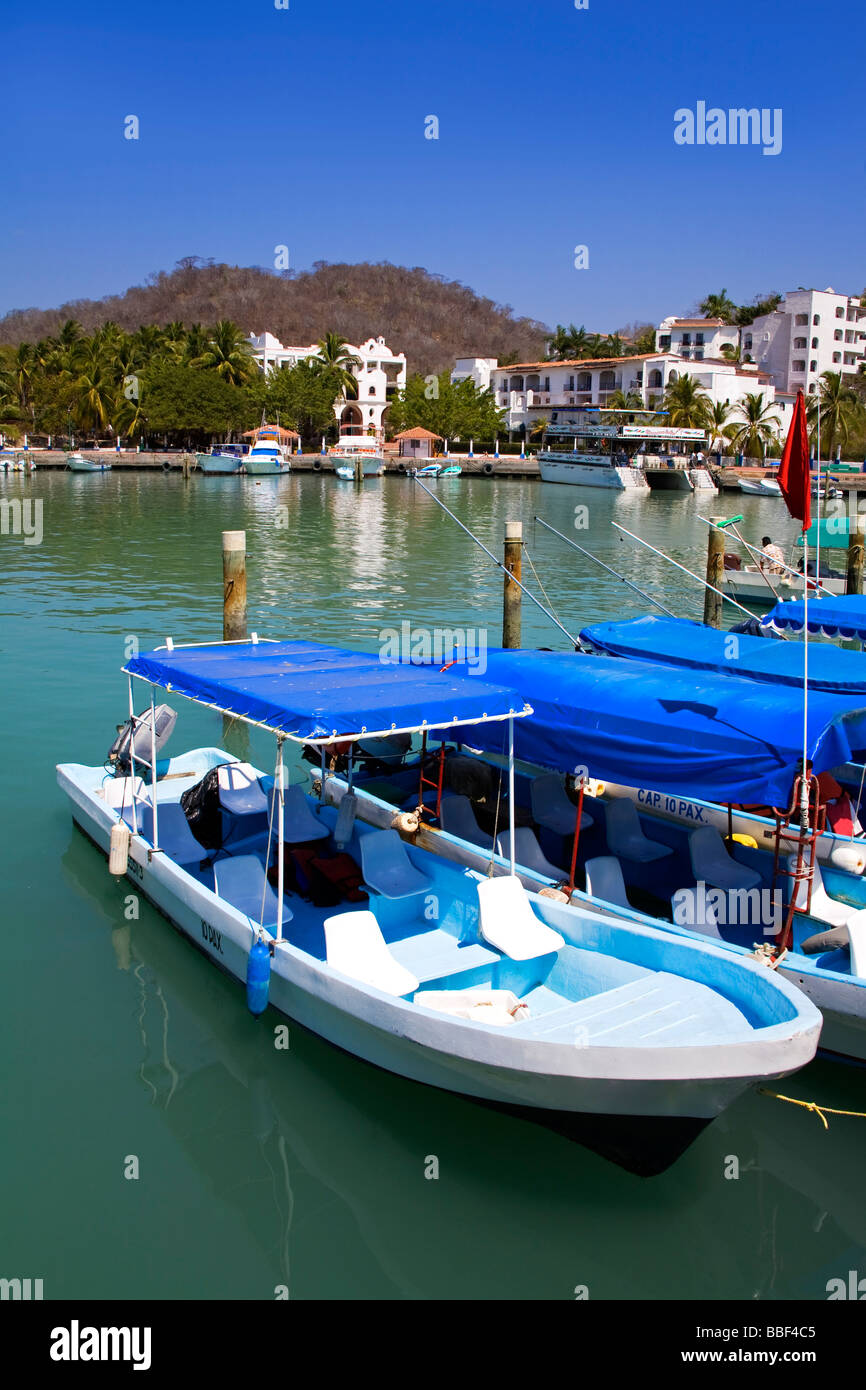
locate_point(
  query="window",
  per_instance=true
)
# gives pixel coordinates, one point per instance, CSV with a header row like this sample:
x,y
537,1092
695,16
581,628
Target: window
x,y
813,366
655,378
801,319
816,320
799,343
584,381
664,342
372,391
699,339
798,366
837,357
699,354
747,342
840,313
838,335
687,339
814,342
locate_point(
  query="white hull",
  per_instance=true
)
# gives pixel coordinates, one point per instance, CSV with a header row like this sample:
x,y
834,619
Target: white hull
x,y
622,477
748,586
653,1083
758,487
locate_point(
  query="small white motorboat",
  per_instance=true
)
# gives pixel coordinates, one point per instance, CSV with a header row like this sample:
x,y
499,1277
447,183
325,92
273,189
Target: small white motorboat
x,y
77,463
760,487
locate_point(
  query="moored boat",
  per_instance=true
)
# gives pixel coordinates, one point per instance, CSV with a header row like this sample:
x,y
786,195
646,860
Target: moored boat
x,y
759,487
270,451
612,455
360,453
77,463
223,459
609,1030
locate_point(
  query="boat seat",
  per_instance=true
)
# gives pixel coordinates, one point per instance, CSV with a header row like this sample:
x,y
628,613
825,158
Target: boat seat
x,y
436,955
529,854
300,824
240,791
703,920
553,808
822,906
241,881
625,836
604,880
458,818
712,864
175,837
356,947
658,1010
119,791
509,923
387,868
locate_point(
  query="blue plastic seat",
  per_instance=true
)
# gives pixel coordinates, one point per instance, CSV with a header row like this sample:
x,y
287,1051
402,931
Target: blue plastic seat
x,y
242,882
387,868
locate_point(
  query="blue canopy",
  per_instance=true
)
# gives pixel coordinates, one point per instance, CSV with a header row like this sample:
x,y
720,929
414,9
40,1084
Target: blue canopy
x,y
314,694
844,617
695,734
679,642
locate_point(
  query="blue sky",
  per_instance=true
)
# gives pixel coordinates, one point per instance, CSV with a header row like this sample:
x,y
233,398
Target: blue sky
x,y
305,127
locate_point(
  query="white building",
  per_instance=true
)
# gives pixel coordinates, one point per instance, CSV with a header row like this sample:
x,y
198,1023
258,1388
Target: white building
x,y
380,374
532,391
812,331
695,339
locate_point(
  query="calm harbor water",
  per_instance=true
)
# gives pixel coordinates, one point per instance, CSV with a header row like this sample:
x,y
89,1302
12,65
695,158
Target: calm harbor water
x,y
306,1168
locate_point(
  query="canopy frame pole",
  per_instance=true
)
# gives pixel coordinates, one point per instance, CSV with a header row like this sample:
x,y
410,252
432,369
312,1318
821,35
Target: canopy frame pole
x,y
280,847
576,841
511,849
596,560
678,566
322,776
132,758
153,804
500,566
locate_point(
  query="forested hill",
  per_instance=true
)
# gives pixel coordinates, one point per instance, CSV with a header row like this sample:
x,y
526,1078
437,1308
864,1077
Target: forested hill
x,y
431,319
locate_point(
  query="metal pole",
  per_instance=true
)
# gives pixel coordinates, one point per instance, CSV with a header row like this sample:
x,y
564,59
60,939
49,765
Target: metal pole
x,y
280,849
511,592
153,768
678,566
511,793
132,757
499,565
758,554
594,558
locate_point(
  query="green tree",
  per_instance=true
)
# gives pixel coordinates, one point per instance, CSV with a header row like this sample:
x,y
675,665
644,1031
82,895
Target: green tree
x,y
841,410
451,409
719,306
687,404
333,358
760,427
228,354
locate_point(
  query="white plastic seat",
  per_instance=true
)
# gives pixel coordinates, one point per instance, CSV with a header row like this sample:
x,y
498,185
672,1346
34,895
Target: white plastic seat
x,y
700,915
458,818
387,867
528,853
712,864
356,947
553,808
241,881
509,923
119,791
822,906
240,792
299,822
604,880
625,836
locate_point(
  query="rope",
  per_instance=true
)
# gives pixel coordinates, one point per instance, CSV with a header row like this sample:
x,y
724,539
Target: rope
x,y
814,1107
495,827
539,583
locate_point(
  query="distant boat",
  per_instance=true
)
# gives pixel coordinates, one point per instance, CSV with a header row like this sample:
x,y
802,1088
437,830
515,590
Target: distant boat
x,y
350,448
345,471
270,452
760,487
589,446
223,459
430,470
16,461
453,470
77,463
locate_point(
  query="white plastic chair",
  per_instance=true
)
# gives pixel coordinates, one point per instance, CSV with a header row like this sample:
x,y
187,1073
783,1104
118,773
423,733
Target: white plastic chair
x,y
552,806
699,916
822,906
299,822
356,947
509,923
240,792
625,836
241,881
604,880
528,853
712,864
458,818
387,867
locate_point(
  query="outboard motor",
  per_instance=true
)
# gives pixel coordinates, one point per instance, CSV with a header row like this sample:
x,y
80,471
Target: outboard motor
x,y
134,737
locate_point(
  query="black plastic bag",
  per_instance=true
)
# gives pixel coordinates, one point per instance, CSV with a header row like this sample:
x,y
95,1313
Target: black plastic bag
x,y
201,806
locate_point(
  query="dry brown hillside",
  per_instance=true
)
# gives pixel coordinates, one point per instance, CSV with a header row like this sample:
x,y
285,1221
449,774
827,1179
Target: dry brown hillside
x,y
431,319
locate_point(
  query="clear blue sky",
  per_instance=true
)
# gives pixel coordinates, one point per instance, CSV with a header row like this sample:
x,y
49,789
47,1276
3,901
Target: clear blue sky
x,y
305,127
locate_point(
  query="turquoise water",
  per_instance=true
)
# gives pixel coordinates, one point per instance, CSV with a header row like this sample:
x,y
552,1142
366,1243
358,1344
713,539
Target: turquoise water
x,y
306,1168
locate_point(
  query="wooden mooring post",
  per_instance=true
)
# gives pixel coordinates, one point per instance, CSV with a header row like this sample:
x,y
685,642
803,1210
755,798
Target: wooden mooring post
x,y
234,586
855,555
715,575
511,593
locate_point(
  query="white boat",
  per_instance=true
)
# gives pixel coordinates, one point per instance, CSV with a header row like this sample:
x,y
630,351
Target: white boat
x,y
223,459
610,1031
270,451
77,463
357,451
760,587
760,487
610,455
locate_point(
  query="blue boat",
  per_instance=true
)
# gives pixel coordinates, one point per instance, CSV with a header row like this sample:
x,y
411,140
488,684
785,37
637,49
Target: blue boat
x,y
699,740
609,1030
223,459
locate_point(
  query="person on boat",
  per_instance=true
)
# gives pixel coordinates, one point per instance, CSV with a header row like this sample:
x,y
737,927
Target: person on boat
x,y
774,553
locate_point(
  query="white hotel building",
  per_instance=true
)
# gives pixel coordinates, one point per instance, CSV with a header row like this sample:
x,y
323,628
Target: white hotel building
x,y
380,374
812,331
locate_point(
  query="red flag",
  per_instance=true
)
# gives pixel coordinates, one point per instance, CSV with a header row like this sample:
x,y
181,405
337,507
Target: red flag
x,y
793,473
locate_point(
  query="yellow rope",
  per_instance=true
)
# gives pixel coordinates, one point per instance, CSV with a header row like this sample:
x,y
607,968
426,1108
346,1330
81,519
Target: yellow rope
x,y
813,1105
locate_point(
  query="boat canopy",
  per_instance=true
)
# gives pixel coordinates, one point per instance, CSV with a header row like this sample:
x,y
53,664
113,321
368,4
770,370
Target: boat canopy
x,y
312,693
696,734
680,642
843,616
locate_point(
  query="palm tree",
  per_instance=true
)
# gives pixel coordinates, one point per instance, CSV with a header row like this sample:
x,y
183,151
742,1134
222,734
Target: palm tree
x,y
228,354
719,306
760,430
718,427
625,400
840,409
333,357
733,352
687,404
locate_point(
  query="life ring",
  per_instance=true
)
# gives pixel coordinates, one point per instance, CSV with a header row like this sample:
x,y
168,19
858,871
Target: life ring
x,y
487,469
317,465
401,468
